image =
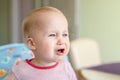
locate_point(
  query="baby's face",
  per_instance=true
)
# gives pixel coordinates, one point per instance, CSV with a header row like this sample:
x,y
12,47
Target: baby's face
x,y
52,38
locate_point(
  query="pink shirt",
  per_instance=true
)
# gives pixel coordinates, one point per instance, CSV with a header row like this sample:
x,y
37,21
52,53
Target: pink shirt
x,y
27,71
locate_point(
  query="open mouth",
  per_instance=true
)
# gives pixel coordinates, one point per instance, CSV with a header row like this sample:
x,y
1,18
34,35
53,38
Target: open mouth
x,y
60,51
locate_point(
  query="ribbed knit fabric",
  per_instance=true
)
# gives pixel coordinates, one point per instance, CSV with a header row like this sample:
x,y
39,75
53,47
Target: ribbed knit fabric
x,y
24,70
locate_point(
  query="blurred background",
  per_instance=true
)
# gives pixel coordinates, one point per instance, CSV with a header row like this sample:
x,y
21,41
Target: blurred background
x,y
97,19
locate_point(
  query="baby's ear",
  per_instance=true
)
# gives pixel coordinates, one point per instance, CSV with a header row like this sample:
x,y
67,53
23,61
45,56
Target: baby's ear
x,y
30,43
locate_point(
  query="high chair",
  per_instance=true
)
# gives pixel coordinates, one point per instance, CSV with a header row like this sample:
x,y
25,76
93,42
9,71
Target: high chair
x,y
12,53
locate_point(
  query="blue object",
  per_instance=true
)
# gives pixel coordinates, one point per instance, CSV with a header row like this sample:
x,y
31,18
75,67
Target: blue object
x,y
12,53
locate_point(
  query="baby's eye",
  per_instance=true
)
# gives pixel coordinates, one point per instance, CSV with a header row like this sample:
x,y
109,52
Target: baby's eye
x,y
65,35
52,35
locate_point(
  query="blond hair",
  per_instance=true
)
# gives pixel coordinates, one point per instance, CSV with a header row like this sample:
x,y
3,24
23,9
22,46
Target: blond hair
x,y
28,21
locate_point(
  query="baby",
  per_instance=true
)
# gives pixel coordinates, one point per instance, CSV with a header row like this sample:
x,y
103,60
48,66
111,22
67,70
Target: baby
x,y
46,34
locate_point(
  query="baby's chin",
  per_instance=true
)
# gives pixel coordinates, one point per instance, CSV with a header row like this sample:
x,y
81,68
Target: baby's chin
x,y
59,59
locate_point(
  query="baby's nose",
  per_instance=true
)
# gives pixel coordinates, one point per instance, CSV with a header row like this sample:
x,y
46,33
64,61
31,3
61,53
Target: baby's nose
x,y
60,41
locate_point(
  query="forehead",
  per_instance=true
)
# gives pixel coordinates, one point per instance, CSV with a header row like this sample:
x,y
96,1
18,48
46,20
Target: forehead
x,y
50,19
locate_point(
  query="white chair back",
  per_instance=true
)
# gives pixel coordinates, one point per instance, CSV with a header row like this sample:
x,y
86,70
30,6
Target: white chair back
x,y
84,52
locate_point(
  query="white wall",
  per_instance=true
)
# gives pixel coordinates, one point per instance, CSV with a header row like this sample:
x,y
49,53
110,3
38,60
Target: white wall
x,y
100,19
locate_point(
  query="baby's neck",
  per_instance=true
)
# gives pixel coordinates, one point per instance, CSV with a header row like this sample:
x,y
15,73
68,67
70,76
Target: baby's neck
x,y
42,64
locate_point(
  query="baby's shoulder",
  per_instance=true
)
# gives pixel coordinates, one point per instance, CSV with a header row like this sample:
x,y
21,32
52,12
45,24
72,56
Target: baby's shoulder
x,y
65,62
18,65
